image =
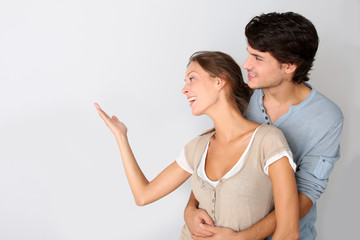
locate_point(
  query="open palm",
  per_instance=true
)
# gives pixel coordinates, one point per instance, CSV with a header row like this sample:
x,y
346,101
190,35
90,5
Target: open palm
x,y
113,123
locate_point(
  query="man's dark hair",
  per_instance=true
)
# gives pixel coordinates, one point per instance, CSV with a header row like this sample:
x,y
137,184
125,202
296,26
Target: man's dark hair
x,y
289,37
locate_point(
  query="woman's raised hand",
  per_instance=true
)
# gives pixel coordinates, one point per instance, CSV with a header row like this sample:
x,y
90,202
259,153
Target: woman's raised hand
x,y
117,128
144,191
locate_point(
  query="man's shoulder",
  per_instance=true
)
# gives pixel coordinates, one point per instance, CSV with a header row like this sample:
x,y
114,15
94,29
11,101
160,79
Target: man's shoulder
x,y
322,106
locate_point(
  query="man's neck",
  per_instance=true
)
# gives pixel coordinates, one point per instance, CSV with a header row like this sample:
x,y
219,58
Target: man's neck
x,y
277,100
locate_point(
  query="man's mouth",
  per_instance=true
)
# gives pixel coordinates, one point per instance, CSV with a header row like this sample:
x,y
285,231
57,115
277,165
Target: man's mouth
x,y
251,75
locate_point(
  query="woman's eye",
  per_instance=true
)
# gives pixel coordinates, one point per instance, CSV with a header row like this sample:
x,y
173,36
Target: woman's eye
x,y
191,79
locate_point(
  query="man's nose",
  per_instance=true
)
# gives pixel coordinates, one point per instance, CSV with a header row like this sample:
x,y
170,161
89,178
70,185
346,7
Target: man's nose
x,y
247,64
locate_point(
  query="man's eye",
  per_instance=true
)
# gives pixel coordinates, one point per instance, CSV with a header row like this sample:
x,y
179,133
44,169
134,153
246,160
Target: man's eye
x,y
257,58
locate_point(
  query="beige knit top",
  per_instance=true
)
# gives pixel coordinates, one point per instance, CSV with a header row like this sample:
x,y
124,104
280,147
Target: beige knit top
x,y
245,198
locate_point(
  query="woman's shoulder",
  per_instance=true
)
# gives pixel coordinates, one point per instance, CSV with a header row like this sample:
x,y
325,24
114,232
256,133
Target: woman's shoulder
x,y
195,149
203,138
267,134
266,130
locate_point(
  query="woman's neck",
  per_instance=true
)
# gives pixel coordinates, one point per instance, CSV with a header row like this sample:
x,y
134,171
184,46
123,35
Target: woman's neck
x,y
230,124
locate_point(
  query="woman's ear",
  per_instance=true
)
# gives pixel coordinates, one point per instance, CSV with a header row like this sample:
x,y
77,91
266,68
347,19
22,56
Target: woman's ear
x,y
221,81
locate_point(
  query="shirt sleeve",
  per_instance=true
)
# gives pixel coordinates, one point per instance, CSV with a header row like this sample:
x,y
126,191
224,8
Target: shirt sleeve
x,y
315,167
274,146
278,156
183,163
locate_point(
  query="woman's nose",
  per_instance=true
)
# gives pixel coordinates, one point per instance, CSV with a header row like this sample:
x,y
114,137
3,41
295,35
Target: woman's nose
x,y
185,89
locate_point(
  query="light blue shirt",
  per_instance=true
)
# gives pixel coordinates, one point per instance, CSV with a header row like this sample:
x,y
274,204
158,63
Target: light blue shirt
x,y
312,129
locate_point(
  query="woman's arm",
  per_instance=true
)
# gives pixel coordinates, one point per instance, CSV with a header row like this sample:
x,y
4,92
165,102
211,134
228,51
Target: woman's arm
x,y
144,191
285,199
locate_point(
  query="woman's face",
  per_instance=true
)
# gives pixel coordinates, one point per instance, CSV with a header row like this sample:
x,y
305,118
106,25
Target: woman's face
x,y
200,89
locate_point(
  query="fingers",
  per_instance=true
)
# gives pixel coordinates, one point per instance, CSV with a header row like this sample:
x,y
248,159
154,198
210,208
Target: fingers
x,y
206,233
201,231
198,217
115,118
104,116
200,238
206,218
208,228
101,112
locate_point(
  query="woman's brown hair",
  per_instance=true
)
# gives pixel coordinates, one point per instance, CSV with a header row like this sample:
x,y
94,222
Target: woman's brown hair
x,y
219,64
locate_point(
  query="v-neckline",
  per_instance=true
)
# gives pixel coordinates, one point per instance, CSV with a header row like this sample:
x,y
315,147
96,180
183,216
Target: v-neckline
x,y
237,166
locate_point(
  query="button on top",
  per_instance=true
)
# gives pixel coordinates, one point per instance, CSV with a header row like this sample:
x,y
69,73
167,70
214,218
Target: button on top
x,y
263,110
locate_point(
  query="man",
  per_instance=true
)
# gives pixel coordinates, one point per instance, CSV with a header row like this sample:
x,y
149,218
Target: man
x,y
282,48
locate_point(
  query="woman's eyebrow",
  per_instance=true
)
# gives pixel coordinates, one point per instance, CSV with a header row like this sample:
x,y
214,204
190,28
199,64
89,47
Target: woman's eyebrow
x,y
190,72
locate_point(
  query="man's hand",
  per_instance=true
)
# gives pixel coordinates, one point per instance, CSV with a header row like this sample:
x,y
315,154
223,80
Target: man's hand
x,y
194,217
218,233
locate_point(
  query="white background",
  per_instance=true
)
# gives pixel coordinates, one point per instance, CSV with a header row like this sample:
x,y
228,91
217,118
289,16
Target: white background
x,y
61,175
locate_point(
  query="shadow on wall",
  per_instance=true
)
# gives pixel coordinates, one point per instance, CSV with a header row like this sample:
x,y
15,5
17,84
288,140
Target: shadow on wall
x,y
334,76
340,208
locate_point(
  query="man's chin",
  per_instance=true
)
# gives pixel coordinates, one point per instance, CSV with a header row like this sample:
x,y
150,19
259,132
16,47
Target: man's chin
x,y
252,86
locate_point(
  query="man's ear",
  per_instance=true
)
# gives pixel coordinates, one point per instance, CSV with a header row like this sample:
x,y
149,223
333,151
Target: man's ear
x,y
290,67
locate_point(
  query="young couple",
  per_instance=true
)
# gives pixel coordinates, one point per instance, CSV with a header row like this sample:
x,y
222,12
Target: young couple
x,y
270,154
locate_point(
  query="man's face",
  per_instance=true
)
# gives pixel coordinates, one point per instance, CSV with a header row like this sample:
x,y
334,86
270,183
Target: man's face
x,y
264,71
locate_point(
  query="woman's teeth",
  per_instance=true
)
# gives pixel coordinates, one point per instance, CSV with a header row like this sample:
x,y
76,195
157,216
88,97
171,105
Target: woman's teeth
x,y
192,99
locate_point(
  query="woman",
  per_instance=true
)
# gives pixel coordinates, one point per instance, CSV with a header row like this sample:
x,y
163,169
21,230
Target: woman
x,y
240,169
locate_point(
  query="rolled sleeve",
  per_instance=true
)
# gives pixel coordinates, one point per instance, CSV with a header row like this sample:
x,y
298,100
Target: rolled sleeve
x,y
315,168
277,157
181,160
